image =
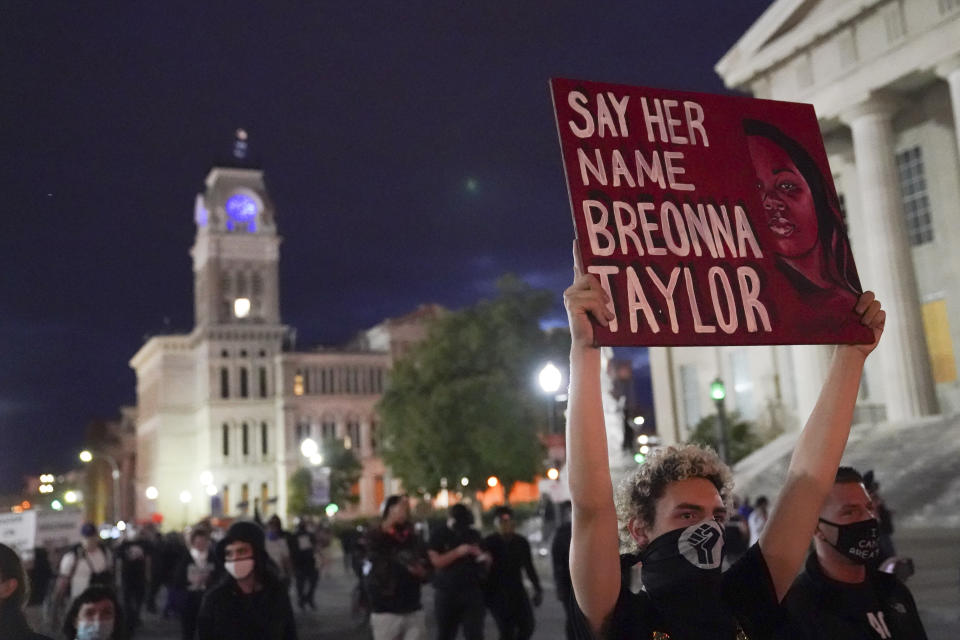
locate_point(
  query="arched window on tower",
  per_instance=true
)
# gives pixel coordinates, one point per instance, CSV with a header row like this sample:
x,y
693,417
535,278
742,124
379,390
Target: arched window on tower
x,y
244,383
263,438
225,284
241,283
257,286
245,441
352,440
224,383
263,382
225,440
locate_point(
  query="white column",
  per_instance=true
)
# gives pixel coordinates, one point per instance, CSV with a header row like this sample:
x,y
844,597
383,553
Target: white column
x,y
810,364
902,361
949,69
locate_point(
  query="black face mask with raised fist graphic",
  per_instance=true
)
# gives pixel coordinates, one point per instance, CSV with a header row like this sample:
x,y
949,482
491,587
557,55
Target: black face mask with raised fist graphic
x,y
858,541
681,573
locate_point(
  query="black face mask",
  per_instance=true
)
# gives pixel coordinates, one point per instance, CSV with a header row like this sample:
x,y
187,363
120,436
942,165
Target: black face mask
x,y
681,573
857,541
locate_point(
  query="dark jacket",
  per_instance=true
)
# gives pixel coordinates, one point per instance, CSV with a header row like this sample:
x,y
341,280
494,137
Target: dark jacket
x,y
388,582
13,626
228,614
823,608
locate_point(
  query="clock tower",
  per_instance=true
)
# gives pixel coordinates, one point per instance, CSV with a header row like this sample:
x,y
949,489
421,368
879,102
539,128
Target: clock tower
x,y
236,252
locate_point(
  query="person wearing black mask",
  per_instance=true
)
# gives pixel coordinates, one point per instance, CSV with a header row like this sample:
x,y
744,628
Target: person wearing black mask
x,y
672,507
456,552
14,593
250,602
840,594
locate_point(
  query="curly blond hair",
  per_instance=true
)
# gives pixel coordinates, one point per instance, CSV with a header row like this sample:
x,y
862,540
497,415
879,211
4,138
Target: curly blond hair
x,y
638,493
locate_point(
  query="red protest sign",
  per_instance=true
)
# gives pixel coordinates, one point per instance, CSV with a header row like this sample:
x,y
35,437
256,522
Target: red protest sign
x,y
710,220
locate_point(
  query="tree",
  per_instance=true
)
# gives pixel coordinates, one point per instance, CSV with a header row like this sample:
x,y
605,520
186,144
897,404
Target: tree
x,y
742,439
463,402
345,471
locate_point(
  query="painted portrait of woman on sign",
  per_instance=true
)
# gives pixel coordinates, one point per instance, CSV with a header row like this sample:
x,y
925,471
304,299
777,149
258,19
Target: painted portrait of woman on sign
x,y
802,216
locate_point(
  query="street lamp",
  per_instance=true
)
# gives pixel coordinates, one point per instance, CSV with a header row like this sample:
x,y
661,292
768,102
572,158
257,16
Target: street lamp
x,y
550,379
309,448
152,493
492,481
87,456
719,393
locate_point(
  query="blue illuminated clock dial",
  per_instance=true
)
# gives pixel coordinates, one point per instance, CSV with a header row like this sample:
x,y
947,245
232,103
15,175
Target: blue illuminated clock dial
x,y
241,207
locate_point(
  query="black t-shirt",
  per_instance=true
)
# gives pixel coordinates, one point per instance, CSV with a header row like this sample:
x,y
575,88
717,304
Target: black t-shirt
x,y
747,597
464,573
511,556
880,608
133,555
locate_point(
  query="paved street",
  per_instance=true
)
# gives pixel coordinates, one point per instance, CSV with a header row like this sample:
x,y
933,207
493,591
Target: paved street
x,y
936,587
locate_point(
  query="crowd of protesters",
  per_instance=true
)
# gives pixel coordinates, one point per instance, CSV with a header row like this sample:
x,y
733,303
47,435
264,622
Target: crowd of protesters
x,y
701,564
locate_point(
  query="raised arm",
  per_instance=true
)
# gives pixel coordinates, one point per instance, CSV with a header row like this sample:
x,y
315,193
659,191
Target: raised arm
x,y
594,548
813,467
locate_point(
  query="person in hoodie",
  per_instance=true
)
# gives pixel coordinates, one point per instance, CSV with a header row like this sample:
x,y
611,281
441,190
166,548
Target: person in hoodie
x,y
14,593
249,602
194,574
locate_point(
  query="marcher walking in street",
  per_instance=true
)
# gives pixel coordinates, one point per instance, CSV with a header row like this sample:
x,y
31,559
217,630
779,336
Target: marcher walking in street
x,y
14,593
88,563
456,552
506,595
396,566
249,602
95,614
194,575
840,593
560,557
305,565
671,506
133,558
278,548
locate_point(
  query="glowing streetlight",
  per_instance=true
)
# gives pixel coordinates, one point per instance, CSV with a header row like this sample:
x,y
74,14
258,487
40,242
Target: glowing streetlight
x,y
553,473
643,438
185,496
549,378
309,448
152,493
71,497
316,459
56,505
464,481
85,456
492,481
638,421
211,489
206,478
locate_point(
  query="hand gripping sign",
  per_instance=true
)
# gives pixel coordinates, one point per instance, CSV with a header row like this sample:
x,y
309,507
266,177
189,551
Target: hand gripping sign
x,y
710,220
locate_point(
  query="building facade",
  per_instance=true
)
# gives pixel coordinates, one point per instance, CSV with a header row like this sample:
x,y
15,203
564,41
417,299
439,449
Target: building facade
x,y
884,77
221,411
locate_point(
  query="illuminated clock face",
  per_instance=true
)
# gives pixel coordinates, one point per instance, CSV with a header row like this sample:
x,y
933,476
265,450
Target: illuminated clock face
x,y
241,208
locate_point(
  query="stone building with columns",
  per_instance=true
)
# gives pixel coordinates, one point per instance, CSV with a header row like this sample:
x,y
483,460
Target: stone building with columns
x,y
222,410
884,77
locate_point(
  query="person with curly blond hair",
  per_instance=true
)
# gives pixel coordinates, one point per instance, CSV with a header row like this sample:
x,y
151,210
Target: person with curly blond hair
x,y
672,509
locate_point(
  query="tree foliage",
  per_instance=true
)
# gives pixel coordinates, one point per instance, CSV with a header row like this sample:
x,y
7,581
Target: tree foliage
x,y
742,438
465,402
345,471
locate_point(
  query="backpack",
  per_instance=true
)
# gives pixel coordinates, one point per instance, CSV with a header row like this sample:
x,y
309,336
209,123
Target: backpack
x,y
104,577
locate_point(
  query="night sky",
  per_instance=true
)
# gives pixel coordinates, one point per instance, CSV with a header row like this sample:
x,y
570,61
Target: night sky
x,y
409,147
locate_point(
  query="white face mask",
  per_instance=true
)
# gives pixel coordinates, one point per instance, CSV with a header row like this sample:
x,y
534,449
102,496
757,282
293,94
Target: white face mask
x,y
200,557
239,569
94,629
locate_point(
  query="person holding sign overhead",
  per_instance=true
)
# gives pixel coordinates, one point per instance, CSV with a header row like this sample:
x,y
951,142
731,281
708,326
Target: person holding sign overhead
x,y
672,508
